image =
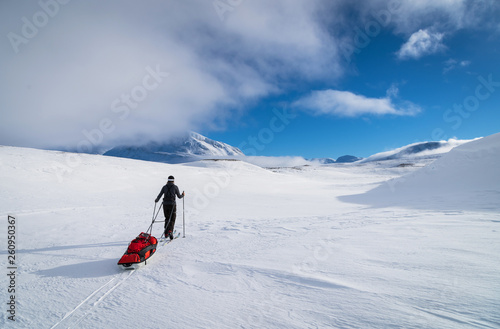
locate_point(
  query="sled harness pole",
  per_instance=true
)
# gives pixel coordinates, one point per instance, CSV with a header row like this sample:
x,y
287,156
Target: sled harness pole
x,y
183,220
150,229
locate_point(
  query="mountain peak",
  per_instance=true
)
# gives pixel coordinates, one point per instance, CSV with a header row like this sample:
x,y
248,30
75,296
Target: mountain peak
x,y
190,147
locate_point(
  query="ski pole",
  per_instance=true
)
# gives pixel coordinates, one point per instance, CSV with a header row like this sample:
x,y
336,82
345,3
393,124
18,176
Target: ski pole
x,y
183,220
152,220
150,229
154,210
157,212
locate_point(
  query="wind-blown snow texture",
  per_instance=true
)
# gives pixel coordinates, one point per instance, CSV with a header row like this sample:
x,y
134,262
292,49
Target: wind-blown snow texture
x,y
263,249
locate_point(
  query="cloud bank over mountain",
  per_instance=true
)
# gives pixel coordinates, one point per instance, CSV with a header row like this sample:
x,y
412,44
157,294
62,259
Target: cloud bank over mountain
x,y
89,75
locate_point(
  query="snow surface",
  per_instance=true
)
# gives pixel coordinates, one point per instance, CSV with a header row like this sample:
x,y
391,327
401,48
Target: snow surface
x,y
281,248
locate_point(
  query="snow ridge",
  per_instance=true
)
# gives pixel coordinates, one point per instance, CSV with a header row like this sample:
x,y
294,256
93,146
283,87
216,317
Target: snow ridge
x,y
417,150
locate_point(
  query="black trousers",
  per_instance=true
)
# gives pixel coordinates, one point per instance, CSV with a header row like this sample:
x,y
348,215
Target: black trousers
x,y
169,210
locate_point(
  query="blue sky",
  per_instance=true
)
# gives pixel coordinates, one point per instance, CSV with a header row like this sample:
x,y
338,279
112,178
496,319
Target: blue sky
x,y
435,82
315,78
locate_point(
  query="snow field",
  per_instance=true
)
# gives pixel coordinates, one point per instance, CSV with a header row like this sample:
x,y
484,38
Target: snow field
x,y
263,249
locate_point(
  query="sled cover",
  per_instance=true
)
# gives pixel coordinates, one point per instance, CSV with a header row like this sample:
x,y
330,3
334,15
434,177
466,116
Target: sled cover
x,y
139,250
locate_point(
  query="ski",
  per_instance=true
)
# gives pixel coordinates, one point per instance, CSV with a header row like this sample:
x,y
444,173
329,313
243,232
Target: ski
x,y
166,240
163,237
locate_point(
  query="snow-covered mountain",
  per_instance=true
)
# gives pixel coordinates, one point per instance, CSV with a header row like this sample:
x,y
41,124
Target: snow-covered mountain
x,y
187,148
194,147
467,177
431,150
419,154
342,159
348,159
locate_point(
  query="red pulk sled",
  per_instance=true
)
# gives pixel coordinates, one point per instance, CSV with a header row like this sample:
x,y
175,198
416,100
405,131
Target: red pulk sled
x,y
144,246
139,250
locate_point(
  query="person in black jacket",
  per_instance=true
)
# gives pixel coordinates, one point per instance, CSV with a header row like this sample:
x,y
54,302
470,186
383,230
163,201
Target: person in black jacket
x,y
170,191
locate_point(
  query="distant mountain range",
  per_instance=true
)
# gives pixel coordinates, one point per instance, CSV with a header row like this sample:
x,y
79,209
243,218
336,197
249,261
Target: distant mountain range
x,y
429,150
194,147
342,159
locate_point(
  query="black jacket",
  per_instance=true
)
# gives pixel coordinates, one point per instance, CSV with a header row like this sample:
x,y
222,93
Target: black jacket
x,y
170,191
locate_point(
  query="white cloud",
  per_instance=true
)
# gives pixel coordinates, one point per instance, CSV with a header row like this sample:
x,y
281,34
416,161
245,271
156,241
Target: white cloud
x,y
446,15
64,80
452,64
437,15
393,91
347,104
405,18
421,43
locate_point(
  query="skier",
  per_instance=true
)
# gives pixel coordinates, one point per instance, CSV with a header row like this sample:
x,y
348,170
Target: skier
x,y
170,190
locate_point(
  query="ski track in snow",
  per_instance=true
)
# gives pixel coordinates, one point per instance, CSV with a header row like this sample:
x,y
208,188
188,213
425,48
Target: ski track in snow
x,y
78,314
